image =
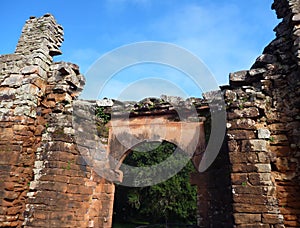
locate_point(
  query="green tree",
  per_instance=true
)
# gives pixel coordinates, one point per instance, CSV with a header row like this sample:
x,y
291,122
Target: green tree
x,y
173,201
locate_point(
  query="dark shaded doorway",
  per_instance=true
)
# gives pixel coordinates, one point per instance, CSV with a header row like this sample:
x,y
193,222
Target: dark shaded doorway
x,y
172,203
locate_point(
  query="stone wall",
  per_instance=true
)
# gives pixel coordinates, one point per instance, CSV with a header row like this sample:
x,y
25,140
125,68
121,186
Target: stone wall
x,y
46,182
264,128
23,84
214,196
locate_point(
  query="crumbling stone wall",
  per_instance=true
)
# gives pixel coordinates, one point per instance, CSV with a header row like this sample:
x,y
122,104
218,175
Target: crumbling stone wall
x,y
23,84
263,130
45,182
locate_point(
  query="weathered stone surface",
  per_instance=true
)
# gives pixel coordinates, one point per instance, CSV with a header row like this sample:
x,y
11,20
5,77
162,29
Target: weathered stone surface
x,y
272,218
244,113
263,168
30,70
247,218
257,71
271,157
263,133
266,58
254,145
241,134
239,76
296,17
45,180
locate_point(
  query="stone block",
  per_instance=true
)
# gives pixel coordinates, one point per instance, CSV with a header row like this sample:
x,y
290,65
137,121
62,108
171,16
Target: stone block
x,y
30,70
79,189
282,139
9,186
238,178
40,83
252,191
296,17
252,157
243,168
246,218
263,168
13,81
48,104
240,134
245,123
250,112
14,210
256,72
277,127
263,133
233,146
239,76
60,97
266,58
9,157
264,157
6,134
257,208
292,223
260,178
10,195
272,218
249,199
254,225
254,145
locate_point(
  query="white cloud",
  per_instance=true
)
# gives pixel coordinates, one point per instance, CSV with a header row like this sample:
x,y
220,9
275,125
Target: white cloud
x,y
219,35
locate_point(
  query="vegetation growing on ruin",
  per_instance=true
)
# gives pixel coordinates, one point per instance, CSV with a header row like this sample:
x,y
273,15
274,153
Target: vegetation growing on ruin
x,y
173,201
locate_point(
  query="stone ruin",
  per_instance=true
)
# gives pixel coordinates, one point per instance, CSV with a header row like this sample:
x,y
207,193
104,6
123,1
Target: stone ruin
x,y
45,182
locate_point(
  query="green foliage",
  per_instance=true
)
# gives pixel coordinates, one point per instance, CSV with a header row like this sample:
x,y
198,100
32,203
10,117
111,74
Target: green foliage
x,y
134,199
69,165
272,139
171,201
102,129
102,115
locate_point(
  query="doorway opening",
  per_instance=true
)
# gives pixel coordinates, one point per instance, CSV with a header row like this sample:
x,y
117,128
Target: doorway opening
x,y
172,203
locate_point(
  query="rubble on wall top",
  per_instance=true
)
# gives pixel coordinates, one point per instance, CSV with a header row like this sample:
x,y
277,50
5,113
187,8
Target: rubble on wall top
x,y
149,106
41,35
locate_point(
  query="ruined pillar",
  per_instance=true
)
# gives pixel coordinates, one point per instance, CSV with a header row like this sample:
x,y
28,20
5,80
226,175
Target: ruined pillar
x,y
23,80
263,130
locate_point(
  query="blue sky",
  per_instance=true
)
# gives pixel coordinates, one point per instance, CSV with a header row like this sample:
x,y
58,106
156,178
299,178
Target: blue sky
x,y
226,35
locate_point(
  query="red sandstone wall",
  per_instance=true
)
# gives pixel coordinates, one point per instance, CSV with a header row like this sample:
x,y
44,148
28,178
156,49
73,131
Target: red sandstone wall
x,y
44,180
263,130
23,81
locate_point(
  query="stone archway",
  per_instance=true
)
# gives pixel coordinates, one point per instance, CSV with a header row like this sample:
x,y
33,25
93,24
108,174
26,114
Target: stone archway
x,y
125,134
125,130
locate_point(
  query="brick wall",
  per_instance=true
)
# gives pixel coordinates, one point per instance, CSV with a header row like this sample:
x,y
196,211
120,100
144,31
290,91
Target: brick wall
x,y
263,130
45,181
